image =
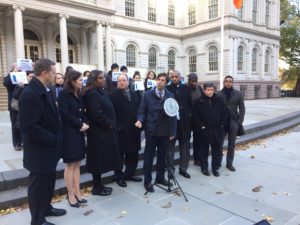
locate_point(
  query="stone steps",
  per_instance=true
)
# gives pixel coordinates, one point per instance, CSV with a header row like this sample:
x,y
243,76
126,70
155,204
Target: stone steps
x,y
3,96
13,184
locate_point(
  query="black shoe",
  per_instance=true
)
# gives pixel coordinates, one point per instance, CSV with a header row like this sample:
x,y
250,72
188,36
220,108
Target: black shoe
x,y
47,223
107,188
164,182
101,191
81,201
134,179
149,187
121,182
205,172
184,173
55,212
230,167
216,173
75,205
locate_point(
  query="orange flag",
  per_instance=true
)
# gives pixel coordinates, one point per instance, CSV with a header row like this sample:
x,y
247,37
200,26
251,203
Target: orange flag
x,y
238,3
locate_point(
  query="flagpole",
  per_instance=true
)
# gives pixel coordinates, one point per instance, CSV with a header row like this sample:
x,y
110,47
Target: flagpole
x,y
222,45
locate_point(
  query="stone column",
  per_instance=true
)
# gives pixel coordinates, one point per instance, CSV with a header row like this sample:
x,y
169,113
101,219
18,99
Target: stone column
x,y
84,46
100,58
63,41
262,72
91,47
108,47
50,40
44,48
19,32
3,55
9,41
78,54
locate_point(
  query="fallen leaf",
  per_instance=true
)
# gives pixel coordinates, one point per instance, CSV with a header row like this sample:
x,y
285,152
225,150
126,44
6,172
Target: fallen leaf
x,y
257,189
269,218
219,192
168,205
274,193
252,156
88,212
186,208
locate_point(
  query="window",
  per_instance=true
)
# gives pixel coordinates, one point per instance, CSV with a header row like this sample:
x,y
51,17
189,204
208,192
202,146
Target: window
x,y
254,60
58,55
30,35
152,58
243,90
268,13
171,60
254,12
212,58
256,91
240,58
241,13
71,50
71,56
269,91
129,8
152,10
131,55
192,13
213,9
267,61
192,61
171,13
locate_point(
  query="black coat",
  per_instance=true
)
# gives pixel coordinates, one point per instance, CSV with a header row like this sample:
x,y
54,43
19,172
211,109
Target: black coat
x,y
209,118
129,135
10,89
41,129
182,95
72,112
102,136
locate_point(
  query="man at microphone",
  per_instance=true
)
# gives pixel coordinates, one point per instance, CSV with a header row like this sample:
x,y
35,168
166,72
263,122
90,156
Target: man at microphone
x,y
159,130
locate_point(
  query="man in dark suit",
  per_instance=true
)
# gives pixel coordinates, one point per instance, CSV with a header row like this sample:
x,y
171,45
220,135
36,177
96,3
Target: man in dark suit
x,y
159,129
209,119
182,94
126,103
235,105
41,129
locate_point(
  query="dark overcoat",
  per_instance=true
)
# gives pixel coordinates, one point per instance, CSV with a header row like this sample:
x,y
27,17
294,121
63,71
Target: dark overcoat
x,y
129,135
10,89
182,94
41,129
102,136
209,118
72,112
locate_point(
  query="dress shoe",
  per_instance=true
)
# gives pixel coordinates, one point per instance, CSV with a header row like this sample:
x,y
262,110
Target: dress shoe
x,y
121,182
216,173
47,223
149,187
184,173
205,172
101,191
106,188
134,179
230,167
75,205
55,212
164,182
81,201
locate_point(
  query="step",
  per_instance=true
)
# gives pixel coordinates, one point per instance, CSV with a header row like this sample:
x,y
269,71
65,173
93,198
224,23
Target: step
x,y
13,184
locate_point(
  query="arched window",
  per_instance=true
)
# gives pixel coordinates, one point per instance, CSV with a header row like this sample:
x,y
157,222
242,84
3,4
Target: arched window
x,y
32,46
171,60
213,9
254,11
192,13
240,58
254,59
267,61
152,58
30,35
131,55
212,58
192,61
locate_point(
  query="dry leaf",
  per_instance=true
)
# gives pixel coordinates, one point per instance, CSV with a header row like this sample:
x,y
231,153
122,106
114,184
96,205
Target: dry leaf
x,y
252,156
168,205
186,208
269,218
219,192
88,212
274,193
257,189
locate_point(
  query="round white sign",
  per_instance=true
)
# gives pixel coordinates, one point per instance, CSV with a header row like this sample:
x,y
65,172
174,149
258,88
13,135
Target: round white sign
x,y
171,107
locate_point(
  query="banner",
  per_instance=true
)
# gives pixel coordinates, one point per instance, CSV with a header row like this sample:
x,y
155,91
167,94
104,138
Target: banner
x,y
24,64
18,77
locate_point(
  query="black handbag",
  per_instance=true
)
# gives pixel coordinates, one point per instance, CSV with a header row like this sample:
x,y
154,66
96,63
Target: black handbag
x,y
241,130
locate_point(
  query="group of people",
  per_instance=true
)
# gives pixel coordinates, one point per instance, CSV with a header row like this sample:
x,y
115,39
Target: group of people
x,y
103,121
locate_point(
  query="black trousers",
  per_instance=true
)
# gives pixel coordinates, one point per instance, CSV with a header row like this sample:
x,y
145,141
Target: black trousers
x,y
184,152
153,142
40,194
15,128
232,131
196,146
130,159
216,153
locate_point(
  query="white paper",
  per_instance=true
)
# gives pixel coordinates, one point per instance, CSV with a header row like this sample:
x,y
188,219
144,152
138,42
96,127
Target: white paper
x,y
139,85
24,64
18,77
151,83
115,75
84,81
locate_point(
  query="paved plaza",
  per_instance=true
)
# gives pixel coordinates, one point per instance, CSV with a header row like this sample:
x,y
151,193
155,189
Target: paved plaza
x,y
265,185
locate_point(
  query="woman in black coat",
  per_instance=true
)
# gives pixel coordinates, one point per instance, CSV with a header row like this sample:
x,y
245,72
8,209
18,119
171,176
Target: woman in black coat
x,y
72,112
102,137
